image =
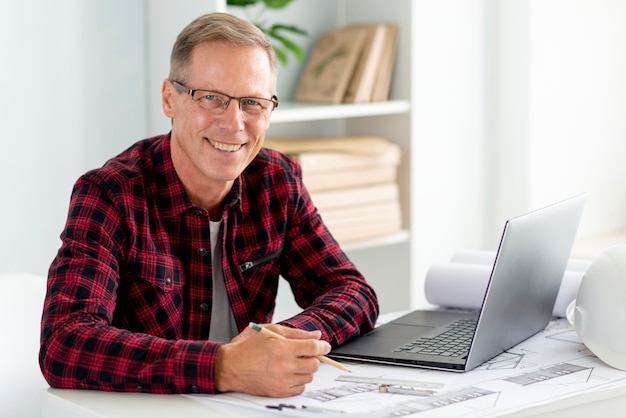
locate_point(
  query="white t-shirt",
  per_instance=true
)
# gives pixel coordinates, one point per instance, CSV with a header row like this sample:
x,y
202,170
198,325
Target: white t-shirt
x,y
223,326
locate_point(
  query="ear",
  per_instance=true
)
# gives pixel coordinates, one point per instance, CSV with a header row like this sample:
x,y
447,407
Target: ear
x,y
167,97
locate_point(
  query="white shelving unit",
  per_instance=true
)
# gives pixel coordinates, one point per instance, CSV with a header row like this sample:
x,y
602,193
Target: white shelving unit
x,y
397,238
293,112
300,112
385,262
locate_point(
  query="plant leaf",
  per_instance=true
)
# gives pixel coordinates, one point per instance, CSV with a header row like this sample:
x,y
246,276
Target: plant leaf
x,y
285,45
295,49
276,4
280,55
289,28
241,3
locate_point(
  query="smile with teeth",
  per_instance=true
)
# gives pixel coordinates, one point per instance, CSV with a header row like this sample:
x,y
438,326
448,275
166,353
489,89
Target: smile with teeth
x,y
225,147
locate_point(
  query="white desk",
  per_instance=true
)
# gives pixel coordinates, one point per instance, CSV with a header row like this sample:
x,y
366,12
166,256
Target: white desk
x,y
537,386
58,403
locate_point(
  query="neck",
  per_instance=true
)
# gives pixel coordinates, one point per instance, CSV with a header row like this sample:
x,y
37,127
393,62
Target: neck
x,y
203,191
213,206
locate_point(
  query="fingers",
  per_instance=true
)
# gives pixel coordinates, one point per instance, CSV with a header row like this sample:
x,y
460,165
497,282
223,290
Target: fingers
x,y
311,348
294,333
287,332
260,365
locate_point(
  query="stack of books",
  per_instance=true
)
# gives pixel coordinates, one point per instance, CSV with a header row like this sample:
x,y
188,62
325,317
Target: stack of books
x,y
353,64
352,181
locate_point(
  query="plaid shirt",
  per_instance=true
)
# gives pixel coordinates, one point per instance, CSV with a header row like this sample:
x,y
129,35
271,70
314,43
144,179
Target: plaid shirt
x,y
128,305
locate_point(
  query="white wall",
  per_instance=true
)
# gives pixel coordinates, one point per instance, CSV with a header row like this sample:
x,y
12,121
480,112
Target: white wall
x,y
517,103
560,104
73,93
164,20
448,154
577,117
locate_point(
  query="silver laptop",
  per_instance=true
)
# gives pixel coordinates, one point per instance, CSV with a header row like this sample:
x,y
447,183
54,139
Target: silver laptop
x,y
524,283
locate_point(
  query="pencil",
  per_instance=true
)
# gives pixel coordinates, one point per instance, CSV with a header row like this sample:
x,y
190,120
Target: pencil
x,y
323,359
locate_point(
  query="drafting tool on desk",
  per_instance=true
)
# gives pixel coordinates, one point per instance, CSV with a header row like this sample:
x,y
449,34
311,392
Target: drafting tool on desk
x,y
405,390
389,382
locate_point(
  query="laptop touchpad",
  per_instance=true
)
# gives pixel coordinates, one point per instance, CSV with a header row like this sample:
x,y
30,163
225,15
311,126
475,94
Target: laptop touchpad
x,y
398,331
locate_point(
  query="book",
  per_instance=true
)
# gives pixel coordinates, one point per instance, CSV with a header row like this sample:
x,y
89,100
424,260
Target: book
x,y
360,145
349,178
358,214
361,86
341,162
313,162
356,233
364,222
356,196
385,72
330,66
352,182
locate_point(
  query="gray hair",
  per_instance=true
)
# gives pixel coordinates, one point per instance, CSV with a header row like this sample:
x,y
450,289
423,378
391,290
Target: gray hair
x,y
221,27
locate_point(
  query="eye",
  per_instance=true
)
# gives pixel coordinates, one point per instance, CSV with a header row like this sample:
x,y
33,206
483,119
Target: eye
x,y
209,97
250,102
211,100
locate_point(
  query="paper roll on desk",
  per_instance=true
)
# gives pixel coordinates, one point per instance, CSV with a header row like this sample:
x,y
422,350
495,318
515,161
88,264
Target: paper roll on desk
x,y
462,282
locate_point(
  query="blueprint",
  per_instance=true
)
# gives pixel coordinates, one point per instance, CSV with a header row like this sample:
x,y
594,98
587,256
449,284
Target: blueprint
x,y
468,271
549,366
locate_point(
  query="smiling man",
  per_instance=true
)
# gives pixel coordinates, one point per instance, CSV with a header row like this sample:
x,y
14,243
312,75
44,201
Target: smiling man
x,y
174,246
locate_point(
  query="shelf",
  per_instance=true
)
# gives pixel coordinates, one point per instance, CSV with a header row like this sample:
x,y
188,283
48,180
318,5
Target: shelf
x,y
399,237
298,112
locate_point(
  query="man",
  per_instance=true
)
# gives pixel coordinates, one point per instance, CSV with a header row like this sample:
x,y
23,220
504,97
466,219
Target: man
x,y
174,246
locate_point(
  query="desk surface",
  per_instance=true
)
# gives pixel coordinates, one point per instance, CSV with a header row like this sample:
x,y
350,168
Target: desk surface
x,y
58,403
549,375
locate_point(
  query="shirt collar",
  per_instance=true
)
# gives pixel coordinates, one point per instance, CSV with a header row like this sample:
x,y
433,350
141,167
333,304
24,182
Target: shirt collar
x,y
172,199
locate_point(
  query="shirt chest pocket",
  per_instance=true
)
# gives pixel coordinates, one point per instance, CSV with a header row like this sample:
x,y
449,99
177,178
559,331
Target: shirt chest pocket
x,y
257,260
161,271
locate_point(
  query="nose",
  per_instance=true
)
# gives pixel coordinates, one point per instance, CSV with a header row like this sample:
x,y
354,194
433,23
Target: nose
x,y
232,99
233,116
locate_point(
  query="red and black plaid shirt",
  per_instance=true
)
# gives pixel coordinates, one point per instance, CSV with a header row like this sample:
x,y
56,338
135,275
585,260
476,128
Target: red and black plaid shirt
x,y
128,306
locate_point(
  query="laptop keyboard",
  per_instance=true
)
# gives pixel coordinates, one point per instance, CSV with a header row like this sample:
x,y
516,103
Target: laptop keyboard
x,y
451,340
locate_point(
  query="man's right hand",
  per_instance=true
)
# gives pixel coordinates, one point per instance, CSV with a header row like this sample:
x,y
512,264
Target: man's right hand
x,y
260,365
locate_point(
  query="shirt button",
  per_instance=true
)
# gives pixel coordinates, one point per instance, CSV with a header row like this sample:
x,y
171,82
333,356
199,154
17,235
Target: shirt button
x,y
202,251
194,389
139,388
168,281
204,307
198,212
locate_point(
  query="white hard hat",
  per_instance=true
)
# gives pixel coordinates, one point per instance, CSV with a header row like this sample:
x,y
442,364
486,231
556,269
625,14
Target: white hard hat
x,y
598,314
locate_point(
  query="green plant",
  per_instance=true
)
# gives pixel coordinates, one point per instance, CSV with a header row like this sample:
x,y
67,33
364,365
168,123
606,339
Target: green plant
x,y
282,44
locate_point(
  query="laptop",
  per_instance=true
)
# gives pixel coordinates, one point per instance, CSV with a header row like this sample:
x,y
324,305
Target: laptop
x,y
525,279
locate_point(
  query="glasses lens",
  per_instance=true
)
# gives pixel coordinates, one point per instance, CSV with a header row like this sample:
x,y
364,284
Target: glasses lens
x,y
255,107
251,107
211,100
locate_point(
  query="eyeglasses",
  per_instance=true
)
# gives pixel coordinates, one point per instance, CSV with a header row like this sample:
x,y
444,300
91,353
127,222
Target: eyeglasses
x,y
217,103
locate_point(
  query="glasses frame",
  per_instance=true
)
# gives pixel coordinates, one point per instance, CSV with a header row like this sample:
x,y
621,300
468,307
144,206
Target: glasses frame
x,y
184,89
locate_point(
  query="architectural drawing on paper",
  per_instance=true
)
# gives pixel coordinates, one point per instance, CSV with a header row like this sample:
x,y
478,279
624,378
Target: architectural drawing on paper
x,y
546,374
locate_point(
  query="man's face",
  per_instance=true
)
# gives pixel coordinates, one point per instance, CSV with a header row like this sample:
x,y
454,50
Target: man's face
x,y
211,149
